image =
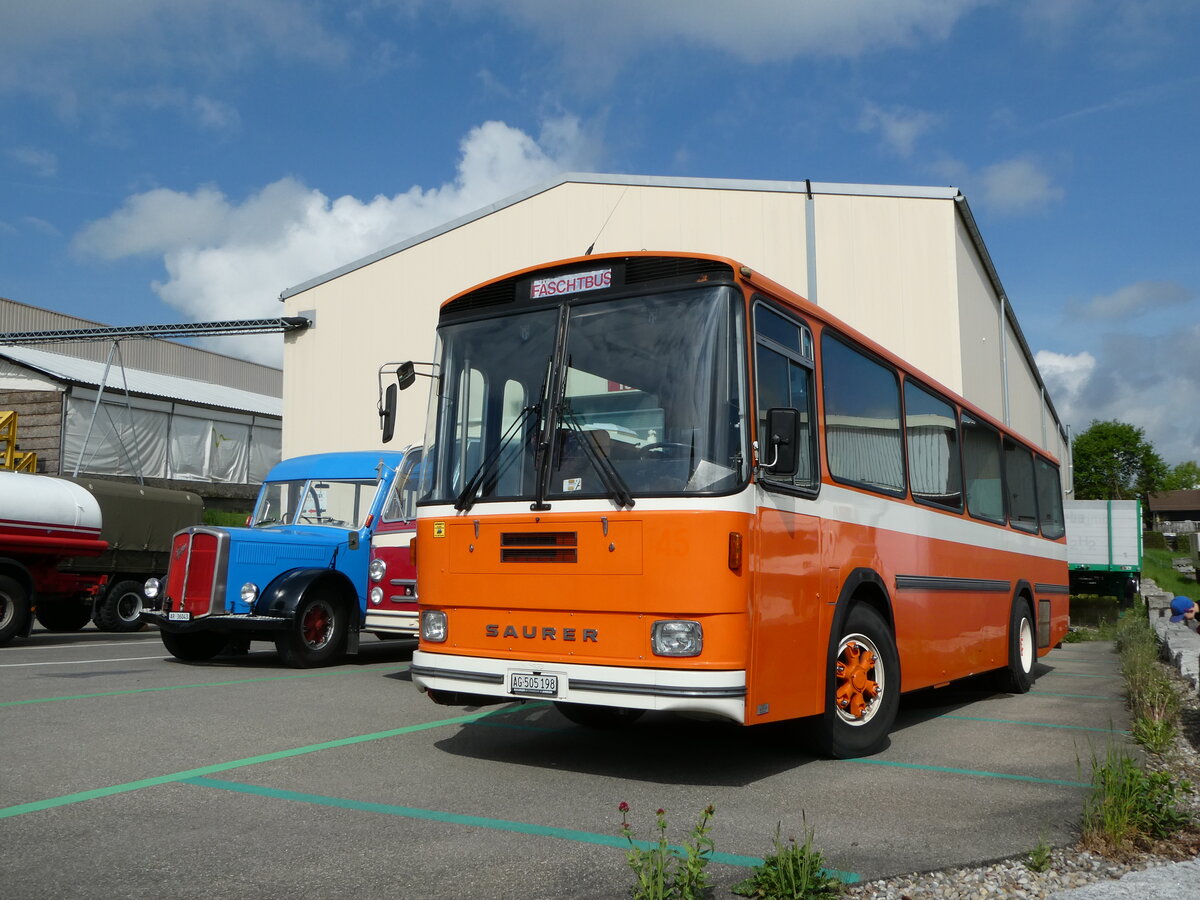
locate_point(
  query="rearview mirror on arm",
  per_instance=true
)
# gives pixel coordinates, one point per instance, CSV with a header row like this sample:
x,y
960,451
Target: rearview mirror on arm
x,y
782,440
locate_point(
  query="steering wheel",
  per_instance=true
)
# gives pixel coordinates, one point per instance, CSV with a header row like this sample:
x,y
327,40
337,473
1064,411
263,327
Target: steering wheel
x,y
677,450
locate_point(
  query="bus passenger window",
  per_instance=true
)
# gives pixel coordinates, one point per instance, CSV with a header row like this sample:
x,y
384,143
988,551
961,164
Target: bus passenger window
x,y
862,417
931,431
1022,494
981,466
1049,496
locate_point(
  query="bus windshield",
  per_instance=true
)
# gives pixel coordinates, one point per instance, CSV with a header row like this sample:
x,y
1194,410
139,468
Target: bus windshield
x,y
626,398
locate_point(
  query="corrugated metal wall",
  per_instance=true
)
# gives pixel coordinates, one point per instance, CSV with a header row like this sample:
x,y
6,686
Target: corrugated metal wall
x,y
163,357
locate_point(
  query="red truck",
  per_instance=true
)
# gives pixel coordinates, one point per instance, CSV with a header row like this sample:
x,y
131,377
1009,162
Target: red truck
x,y
74,551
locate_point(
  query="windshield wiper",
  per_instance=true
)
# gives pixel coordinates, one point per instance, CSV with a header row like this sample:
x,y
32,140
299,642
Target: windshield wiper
x,y
613,482
466,498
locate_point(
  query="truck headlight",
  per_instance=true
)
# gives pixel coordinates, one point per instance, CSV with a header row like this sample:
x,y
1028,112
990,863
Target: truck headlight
x,y
433,625
249,593
151,588
377,569
376,595
677,637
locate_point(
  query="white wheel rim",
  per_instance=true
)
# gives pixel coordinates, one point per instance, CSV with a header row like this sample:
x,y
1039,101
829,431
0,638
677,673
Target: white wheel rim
x,y
860,680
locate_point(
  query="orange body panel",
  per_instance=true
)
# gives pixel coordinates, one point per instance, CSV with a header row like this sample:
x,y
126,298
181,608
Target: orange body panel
x,y
648,566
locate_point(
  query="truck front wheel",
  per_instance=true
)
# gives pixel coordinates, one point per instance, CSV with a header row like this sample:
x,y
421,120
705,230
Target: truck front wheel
x,y
121,608
316,636
194,646
14,609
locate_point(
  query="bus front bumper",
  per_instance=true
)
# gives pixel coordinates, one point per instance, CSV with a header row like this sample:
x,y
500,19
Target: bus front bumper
x,y
721,694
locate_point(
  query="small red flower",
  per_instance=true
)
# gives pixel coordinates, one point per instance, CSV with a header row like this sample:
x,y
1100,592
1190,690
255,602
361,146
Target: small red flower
x,y
623,807
661,812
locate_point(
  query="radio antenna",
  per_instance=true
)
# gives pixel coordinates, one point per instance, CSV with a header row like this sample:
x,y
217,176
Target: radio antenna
x,y
592,245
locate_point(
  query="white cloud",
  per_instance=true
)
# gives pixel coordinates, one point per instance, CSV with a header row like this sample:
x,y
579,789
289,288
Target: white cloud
x,y
1133,300
1145,381
1014,187
898,126
42,162
594,33
226,260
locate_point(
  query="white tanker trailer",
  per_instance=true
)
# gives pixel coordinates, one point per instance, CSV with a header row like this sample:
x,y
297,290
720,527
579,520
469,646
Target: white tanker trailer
x,y
74,551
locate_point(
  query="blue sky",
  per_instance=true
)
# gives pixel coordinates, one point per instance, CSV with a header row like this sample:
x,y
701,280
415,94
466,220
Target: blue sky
x,y
164,161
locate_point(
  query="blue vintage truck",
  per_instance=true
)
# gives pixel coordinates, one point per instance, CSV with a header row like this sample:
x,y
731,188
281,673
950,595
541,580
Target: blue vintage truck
x,y
324,557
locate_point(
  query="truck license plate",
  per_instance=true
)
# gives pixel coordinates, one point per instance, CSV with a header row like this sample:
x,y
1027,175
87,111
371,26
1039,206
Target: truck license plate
x,y
533,685
179,617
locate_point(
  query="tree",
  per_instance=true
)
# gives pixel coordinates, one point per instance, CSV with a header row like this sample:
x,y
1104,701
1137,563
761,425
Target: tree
x,y
1114,461
1184,477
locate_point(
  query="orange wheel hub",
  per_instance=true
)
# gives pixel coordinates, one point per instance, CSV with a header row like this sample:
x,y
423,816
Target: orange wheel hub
x,y
856,689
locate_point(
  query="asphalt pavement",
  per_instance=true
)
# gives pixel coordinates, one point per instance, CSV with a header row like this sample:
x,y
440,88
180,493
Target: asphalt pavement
x,y
128,773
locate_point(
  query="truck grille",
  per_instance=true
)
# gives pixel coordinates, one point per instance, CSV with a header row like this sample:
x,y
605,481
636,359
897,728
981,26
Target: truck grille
x,y
195,578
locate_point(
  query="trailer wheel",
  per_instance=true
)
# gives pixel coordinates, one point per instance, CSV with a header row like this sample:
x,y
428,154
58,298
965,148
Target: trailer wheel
x,y
598,716
14,609
194,646
1017,677
316,636
863,687
121,608
67,614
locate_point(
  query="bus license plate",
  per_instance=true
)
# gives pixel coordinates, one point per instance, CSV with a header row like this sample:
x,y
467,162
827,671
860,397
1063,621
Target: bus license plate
x,y
533,685
179,617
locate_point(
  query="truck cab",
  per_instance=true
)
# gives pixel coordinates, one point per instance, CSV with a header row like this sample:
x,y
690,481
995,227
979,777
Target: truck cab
x,y
303,572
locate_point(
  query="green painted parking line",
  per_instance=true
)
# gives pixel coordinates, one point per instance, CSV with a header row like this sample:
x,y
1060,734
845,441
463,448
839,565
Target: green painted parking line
x,y
203,684
433,815
973,772
1037,724
68,799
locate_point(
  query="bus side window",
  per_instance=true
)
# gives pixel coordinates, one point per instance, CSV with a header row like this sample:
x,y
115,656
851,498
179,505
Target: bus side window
x,y
862,417
981,466
934,464
1049,495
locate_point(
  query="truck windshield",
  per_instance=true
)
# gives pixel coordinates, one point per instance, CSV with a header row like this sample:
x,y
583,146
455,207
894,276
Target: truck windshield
x,y
634,397
340,504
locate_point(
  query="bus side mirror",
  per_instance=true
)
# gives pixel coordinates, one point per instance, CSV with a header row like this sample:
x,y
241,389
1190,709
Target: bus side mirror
x,y
406,374
387,415
783,440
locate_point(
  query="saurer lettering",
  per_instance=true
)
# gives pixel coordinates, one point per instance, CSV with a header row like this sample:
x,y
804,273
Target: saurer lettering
x,y
544,633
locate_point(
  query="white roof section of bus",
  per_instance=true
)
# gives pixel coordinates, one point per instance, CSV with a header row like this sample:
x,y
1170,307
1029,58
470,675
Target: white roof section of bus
x,y
186,390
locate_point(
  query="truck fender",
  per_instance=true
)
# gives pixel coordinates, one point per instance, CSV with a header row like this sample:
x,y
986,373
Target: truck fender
x,y
282,595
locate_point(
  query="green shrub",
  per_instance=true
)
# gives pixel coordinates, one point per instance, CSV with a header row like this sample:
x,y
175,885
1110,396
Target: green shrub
x,y
664,872
1153,540
793,872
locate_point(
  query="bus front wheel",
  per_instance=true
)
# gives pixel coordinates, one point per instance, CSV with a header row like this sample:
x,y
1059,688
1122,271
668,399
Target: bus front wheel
x,y
863,687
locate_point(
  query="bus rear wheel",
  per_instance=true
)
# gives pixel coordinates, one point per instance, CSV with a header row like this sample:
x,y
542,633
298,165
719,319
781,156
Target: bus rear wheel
x,y
863,687
598,716
1017,677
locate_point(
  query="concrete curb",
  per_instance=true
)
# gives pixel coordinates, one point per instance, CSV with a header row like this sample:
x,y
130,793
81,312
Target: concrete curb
x,y
1180,645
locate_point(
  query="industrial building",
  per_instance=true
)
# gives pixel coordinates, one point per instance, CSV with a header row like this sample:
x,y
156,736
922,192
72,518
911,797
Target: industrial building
x,y
906,266
160,412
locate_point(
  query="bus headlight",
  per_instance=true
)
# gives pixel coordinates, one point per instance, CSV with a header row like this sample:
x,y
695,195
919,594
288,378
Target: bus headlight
x,y
376,595
151,588
433,625
677,637
377,569
249,593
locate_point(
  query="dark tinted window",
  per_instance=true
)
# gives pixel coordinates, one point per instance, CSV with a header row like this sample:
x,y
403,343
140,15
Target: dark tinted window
x,y
1049,497
783,367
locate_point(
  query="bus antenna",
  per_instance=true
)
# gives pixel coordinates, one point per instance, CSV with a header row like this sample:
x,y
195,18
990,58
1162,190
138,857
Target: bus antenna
x,y
592,245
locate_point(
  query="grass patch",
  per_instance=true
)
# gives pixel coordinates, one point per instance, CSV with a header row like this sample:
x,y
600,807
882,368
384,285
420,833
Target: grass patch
x,y
224,517
1156,564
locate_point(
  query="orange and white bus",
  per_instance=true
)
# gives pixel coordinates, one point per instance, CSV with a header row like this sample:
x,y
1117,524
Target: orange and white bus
x,y
659,481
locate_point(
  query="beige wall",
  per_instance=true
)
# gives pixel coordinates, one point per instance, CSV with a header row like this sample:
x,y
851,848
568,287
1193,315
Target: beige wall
x,y
901,270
